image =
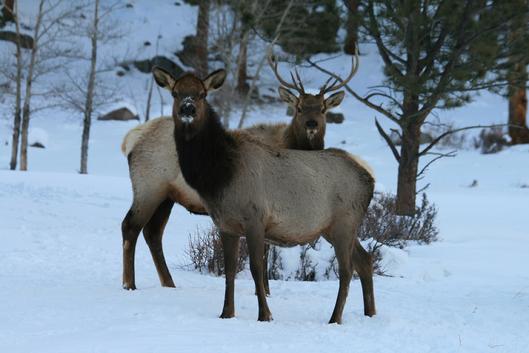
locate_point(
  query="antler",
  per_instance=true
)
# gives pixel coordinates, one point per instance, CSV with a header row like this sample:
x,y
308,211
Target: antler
x,y
338,82
296,81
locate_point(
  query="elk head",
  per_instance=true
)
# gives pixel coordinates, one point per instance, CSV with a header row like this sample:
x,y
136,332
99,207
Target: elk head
x,y
310,109
190,107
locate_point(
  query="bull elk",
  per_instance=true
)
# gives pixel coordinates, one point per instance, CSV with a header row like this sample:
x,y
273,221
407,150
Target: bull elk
x,y
287,197
307,128
157,182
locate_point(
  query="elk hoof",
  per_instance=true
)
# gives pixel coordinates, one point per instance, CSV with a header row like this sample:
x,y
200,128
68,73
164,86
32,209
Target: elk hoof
x,y
265,317
227,315
127,286
370,313
169,285
335,321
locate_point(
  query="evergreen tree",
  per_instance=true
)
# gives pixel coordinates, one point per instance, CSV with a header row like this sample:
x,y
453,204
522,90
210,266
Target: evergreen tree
x,y
310,28
436,53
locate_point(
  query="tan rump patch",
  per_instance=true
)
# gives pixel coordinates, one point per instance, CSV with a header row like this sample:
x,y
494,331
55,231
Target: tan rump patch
x,y
139,132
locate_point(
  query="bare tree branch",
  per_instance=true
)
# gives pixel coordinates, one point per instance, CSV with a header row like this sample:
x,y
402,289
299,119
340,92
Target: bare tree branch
x,y
449,132
438,156
388,141
370,104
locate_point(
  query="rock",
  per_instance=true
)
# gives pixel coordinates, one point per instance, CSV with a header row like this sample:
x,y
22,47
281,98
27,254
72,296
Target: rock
x,y
37,145
335,118
37,137
146,65
121,114
188,54
473,184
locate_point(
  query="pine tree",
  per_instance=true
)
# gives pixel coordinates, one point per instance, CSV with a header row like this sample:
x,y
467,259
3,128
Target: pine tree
x,y
436,54
310,28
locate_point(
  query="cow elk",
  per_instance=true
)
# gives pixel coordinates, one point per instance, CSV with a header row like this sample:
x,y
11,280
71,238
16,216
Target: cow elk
x,y
306,131
287,197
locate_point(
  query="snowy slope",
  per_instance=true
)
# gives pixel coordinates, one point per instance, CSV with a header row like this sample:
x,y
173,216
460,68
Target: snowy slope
x,y
60,259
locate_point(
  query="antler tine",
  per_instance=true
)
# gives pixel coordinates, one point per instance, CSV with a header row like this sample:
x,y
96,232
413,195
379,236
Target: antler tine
x,y
322,88
273,64
299,81
354,69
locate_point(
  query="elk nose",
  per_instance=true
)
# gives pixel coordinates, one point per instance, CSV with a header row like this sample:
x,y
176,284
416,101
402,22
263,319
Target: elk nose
x,y
311,124
187,109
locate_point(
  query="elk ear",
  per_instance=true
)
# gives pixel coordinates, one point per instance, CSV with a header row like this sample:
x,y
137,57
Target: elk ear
x,y
163,78
215,80
287,96
334,100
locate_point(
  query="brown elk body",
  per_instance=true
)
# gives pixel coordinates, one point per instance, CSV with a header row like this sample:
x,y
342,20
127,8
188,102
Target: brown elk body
x,y
157,181
287,197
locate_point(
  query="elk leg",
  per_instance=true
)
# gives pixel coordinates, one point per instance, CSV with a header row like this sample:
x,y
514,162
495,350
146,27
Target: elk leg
x,y
130,230
343,252
255,242
363,263
230,245
265,269
138,215
153,233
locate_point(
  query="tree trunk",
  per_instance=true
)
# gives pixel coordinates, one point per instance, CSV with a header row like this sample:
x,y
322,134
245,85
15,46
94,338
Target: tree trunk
x,y
518,107
87,122
18,100
517,76
149,97
408,166
242,63
351,27
202,38
27,100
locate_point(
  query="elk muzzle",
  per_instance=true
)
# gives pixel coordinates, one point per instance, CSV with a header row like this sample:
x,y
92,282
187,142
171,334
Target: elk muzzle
x,y
187,110
311,127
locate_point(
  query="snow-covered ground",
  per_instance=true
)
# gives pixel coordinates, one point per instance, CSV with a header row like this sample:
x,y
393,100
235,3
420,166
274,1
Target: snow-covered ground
x,y
60,253
60,264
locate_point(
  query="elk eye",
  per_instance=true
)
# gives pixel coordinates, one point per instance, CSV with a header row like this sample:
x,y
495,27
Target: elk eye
x,y
299,109
174,94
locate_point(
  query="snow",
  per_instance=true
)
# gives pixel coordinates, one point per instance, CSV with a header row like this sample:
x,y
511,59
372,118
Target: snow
x,y
61,263
60,259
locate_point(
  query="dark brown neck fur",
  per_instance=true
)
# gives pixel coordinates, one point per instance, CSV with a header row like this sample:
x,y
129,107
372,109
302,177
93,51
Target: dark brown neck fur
x,y
207,160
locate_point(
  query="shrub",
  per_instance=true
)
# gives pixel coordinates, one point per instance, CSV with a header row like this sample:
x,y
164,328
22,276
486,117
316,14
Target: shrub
x,y
457,140
385,227
206,254
307,267
381,227
275,264
491,140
